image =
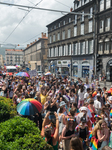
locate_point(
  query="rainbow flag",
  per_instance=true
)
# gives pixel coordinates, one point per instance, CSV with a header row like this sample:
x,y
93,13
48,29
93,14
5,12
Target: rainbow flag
x,y
90,136
111,113
94,143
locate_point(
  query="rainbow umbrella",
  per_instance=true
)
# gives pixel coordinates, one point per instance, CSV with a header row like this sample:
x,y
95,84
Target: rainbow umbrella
x,y
29,107
48,73
23,74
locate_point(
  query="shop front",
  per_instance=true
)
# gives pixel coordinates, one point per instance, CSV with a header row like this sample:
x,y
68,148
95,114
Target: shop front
x,y
109,71
63,66
75,69
85,69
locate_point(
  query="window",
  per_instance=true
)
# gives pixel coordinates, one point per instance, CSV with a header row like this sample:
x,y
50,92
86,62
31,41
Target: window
x,y
54,52
50,39
58,36
107,26
108,4
82,2
101,26
101,5
82,29
78,4
63,22
59,25
106,50
50,52
63,35
100,49
75,5
82,48
69,33
90,26
69,49
54,38
75,49
75,31
91,12
69,20
55,27
90,46
75,20
82,17
63,50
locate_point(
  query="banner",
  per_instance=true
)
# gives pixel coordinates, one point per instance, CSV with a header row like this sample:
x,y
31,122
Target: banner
x,y
32,73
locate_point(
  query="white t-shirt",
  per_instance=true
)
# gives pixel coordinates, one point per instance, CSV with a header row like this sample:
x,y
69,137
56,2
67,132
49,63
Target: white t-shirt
x,y
86,95
97,104
72,99
81,95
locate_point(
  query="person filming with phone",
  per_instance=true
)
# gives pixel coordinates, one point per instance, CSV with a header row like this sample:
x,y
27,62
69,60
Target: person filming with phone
x,y
46,132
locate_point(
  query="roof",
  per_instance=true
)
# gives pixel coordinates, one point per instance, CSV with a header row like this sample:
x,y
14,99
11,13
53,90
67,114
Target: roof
x,y
16,50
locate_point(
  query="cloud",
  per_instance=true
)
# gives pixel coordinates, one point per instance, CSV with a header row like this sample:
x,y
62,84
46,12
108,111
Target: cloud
x,y
34,23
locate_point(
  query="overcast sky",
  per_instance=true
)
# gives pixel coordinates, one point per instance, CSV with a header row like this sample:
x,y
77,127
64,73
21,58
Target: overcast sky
x,y
33,24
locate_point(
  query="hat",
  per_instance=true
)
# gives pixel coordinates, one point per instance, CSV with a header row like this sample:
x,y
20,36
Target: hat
x,y
83,108
97,116
109,91
83,119
62,103
66,98
98,94
110,98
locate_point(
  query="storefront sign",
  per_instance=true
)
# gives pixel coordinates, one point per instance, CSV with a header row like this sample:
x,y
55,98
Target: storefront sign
x,y
64,63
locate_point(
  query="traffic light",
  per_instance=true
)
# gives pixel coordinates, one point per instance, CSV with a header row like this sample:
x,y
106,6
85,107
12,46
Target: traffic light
x,y
98,63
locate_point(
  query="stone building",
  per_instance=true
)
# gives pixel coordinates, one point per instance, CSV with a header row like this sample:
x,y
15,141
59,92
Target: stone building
x,y
14,57
71,41
104,36
35,54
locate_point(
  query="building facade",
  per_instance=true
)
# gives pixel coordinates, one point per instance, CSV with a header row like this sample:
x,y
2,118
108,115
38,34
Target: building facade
x,y
1,61
14,57
35,54
71,41
104,36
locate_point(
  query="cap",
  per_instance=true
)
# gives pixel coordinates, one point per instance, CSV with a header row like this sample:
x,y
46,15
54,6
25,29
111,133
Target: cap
x,y
83,108
98,94
83,119
62,103
110,98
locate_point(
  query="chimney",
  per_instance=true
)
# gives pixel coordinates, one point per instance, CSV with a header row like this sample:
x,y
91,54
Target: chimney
x,y
71,9
27,45
35,40
45,34
42,34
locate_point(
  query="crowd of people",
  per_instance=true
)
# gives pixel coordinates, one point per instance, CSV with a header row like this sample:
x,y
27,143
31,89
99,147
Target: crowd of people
x,y
74,116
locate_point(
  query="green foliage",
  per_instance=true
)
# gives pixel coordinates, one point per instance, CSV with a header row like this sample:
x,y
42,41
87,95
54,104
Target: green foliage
x,y
21,134
7,109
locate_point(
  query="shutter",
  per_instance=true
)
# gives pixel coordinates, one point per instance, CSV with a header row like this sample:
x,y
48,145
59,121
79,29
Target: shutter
x,y
49,52
61,50
79,48
66,50
76,49
92,47
86,47
70,50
